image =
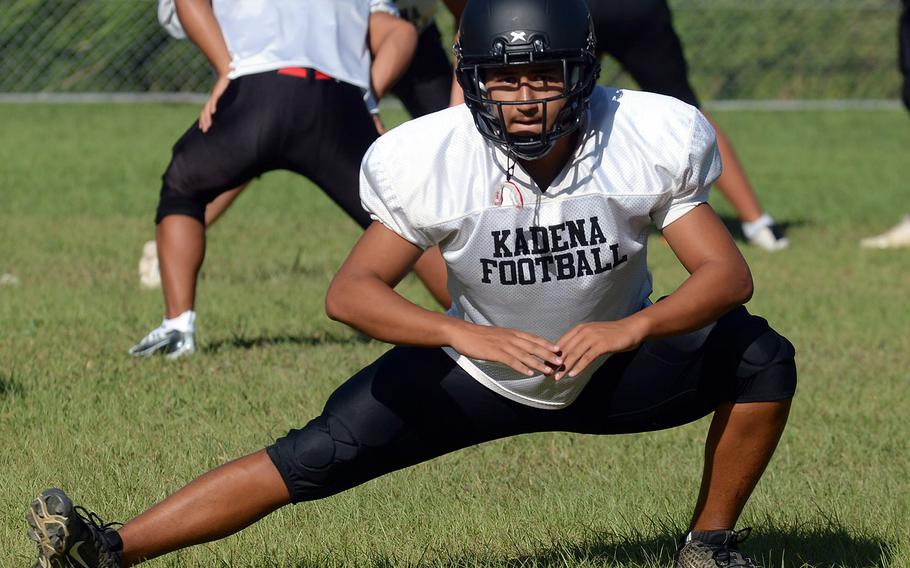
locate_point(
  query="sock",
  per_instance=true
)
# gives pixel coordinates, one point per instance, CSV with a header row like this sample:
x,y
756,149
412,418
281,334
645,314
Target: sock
x,y
709,537
751,228
184,322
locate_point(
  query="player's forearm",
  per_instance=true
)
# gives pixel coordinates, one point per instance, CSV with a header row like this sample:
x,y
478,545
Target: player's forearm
x,y
370,305
709,292
393,42
198,20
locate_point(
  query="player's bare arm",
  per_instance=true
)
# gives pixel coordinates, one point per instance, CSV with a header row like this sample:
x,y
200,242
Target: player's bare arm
x,y
393,42
719,280
198,20
362,295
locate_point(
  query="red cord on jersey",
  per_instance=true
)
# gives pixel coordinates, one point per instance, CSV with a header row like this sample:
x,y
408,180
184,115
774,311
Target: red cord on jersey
x,y
498,198
510,171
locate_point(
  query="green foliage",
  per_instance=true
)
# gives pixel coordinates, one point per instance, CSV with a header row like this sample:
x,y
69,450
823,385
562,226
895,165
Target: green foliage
x,y
78,188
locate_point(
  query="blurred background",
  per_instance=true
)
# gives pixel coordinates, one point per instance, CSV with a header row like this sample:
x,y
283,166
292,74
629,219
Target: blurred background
x,y
834,50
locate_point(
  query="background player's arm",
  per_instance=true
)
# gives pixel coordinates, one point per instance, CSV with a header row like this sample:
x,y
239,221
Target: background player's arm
x,y
200,25
393,42
719,280
362,295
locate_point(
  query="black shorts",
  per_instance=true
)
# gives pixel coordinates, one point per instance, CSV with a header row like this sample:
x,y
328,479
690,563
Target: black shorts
x,y
640,35
415,404
319,128
427,84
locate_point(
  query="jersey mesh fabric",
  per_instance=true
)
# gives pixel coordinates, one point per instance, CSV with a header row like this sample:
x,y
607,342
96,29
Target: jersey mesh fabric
x,y
543,262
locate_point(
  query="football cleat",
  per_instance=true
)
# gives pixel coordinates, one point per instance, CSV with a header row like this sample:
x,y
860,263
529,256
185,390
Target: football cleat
x,y
770,238
69,536
171,343
714,549
897,236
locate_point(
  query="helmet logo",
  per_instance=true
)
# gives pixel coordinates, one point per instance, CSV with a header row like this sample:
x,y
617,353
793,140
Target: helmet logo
x,y
518,36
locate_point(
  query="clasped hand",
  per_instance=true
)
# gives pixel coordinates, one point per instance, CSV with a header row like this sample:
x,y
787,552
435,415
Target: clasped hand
x,y
529,354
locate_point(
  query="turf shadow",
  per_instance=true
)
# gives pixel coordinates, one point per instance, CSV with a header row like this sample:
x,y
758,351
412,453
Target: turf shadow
x,y
770,548
10,387
240,342
734,226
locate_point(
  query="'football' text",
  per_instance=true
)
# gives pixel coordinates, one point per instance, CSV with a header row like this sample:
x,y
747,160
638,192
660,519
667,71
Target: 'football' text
x,y
557,252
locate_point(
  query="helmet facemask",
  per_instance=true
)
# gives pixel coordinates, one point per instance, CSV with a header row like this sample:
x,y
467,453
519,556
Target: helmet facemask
x,y
579,67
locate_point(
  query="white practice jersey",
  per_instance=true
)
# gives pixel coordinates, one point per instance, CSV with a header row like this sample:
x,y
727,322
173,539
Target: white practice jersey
x,y
543,262
328,35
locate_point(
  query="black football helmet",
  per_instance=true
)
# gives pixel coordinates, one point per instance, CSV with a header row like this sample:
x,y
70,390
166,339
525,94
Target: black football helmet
x,y
502,33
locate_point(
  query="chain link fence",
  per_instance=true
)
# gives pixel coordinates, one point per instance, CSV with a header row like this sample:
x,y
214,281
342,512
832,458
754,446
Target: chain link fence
x,y
737,49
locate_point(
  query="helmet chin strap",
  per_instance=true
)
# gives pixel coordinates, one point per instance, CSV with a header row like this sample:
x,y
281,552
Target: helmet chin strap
x,y
510,164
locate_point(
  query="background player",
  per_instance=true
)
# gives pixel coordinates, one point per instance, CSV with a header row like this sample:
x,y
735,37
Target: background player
x,y
898,236
271,80
429,84
640,35
392,42
540,194
424,84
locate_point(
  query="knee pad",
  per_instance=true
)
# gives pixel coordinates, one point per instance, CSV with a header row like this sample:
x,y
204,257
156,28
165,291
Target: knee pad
x,y
317,460
767,369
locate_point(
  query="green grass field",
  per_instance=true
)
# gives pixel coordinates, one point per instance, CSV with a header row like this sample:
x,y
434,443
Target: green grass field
x,y
78,187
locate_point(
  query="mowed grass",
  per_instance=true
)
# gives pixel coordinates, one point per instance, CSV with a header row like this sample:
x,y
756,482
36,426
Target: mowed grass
x,y
78,188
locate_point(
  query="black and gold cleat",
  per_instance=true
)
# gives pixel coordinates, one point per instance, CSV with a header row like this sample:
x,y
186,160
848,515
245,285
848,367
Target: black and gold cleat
x,y
713,549
70,536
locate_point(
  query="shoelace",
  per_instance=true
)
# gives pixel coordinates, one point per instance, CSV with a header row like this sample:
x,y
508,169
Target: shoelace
x,y
727,555
98,528
92,518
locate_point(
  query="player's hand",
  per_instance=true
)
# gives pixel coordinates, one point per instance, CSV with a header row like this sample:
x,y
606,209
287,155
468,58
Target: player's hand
x,y
211,105
585,342
526,353
380,127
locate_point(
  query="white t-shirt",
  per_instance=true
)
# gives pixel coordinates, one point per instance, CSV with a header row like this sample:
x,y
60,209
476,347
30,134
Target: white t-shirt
x,y
543,262
328,35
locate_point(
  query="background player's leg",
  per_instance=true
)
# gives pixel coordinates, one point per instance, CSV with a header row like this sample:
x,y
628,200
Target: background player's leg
x,y
181,250
740,443
215,209
645,43
733,183
215,505
203,166
149,267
